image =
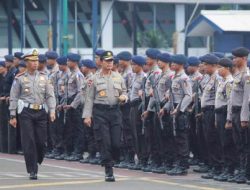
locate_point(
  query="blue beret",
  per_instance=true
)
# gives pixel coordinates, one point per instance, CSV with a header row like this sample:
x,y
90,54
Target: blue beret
x,y
219,54
179,59
209,59
116,60
18,55
9,58
152,53
22,64
42,58
74,57
124,55
51,55
240,52
165,57
62,60
2,64
225,62
99,52
139,60
193,61
88,63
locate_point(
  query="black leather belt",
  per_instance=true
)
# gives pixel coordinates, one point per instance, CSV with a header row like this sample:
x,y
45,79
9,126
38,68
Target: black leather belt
x,y
222,109
106,107
207,108
236,108
135,102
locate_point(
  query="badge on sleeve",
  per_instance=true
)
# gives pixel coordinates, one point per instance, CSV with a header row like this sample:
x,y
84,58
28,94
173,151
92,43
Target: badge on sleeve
x,y
102,93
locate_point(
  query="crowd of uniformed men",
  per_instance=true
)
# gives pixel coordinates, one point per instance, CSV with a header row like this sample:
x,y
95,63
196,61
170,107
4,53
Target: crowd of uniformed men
x,y
160,113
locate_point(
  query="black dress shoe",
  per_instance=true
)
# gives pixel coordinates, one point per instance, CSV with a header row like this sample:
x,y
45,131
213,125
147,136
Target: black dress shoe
x,y
33,176
201,169
109,176
177,171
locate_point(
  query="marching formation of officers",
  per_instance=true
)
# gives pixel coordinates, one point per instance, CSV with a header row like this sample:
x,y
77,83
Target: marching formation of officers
x,y
159,114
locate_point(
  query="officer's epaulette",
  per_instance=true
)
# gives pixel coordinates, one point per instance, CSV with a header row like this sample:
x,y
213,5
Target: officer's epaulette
x,y
19,74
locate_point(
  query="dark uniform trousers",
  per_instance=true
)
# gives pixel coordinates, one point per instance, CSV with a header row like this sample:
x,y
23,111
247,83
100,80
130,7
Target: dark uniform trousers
x,y
193,136
138,137
127,136
163,141
229,153
240,137
211,137
181,139
107,129
91,144
34,136
60,131
4,126
168,141
74,132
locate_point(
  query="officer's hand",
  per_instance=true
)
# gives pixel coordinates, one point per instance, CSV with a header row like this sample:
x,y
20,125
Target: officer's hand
x,y
67,107
13,122
228,125
244,124
122,98
140,93
2,98
59,107
151,92
52,117
161,113
144,115
7,99
87,122
174,112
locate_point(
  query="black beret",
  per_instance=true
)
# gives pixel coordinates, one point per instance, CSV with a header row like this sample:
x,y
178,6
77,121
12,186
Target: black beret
x,y
240,52
124,55
225,62
164,57
210,59
179,59
152,53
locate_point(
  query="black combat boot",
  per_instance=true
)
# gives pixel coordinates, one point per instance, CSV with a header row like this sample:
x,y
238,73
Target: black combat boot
x,y
109,176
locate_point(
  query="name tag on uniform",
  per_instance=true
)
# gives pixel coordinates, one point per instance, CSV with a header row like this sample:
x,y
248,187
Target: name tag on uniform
x,y
25,79
102,93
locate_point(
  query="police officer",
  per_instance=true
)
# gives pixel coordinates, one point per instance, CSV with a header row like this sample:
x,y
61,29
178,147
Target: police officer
x,y
148,116
3,112
61,101
238,118
135,112
74,127
164,140
221,110
12,71
53,72
208,118
181,95
105,93
29,93
87,68
195,77
127,138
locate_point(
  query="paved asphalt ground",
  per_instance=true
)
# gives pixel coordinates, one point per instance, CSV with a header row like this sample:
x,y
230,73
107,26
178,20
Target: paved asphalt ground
x,y
62,175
